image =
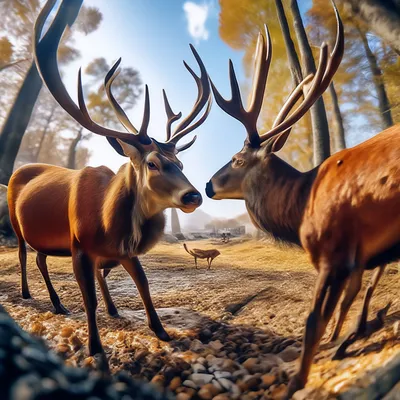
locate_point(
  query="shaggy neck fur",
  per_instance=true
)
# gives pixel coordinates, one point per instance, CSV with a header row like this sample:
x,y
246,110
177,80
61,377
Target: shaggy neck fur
x,y
129,216
276,196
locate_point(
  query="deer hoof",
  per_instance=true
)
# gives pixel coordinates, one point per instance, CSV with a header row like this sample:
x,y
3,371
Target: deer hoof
x,y
295,384
60,309
163,335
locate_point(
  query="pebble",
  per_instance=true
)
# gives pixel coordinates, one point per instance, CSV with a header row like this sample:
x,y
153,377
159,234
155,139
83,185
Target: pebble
x,y
63,348
183,396
66,332
216,345
175,383
289,354
279,392
189,383
205,394
198,368
222,374
268,380
249,382
250,363
201,379
221,397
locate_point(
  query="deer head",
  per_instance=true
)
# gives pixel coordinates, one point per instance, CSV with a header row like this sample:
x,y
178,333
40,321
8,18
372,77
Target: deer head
x,y
157,172
258,150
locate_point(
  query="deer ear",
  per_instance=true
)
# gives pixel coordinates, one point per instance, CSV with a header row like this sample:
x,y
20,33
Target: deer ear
x,y
129,151
116,146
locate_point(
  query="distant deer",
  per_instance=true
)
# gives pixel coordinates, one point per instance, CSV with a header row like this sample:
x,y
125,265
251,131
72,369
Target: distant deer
x,y
344,213
208,254
99,218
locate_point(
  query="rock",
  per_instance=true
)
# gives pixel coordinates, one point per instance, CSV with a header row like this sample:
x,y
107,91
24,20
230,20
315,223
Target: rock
x,y
250,363
190,384
239,374
268,380
229,365
205,394
37,328
212,388
205,334
222,374
63,348
226,383
66,332
272,315
198,368
302,394
200,379
279,392
158,380
75,342
183,396
141,354
175,383
249,382
289,354
196,345
216,345
221,397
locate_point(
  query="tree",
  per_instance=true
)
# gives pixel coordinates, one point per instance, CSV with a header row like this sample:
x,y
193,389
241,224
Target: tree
x,y
126,89
381,17
20,113
319,120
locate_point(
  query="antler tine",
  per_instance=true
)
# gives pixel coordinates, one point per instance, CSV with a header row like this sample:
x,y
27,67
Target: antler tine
x,y
186,145
45,53
203,95
308,101
142,134
120,113
172,117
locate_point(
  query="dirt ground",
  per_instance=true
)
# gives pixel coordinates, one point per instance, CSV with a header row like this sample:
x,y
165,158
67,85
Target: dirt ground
x,y
256,286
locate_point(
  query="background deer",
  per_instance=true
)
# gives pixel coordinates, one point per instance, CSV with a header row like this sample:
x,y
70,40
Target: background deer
x,y
99,218
344,213
208,254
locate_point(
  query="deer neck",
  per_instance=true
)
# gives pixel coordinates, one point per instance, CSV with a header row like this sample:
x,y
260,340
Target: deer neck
x,y
130,215
276,197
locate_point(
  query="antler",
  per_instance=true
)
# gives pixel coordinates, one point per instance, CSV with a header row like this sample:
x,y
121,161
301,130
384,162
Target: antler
x,y
45,52
282,126
203,97
234,106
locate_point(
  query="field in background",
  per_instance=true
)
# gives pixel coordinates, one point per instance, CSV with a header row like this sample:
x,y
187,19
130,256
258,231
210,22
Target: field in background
x,y
252,283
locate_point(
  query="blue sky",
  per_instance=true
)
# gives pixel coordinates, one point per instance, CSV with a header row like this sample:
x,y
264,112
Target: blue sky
x,y
153,37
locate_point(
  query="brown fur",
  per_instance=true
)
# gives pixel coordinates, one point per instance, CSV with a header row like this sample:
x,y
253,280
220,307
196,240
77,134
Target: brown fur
x,y
344,213
208,254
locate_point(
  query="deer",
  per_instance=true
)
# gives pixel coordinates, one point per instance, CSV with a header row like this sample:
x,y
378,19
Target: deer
x,y
100,218
343,213
198,253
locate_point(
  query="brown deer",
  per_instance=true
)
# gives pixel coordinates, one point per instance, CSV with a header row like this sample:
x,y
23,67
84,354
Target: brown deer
x,y
208,254
344,212
99,218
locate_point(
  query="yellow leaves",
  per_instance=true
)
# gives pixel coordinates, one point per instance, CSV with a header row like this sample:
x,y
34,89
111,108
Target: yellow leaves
x,y
6,50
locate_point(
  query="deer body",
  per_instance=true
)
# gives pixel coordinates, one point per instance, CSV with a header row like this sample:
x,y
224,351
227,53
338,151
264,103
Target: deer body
x,y
198,253
104,224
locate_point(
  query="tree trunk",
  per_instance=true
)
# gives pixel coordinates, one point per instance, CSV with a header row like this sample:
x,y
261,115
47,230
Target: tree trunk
x,y
72,150
339,142
21,111
318,114
381,16
383,101
294,63
44,133
17,122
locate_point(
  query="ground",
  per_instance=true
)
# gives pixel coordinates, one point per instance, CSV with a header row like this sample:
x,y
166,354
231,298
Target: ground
x,y
250,304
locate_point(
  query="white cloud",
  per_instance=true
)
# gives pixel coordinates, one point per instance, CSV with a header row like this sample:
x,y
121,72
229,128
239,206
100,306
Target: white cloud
x,y
196,16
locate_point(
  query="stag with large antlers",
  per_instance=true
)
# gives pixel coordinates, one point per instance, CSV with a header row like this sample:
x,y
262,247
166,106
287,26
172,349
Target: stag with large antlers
x,y
99,218
344,213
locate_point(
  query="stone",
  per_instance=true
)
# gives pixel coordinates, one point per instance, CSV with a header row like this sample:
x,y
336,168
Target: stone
x,y
221,397
250,363
196,345
226,383
75,342
37,328
190,384
205,394
222,374
289,354
158,380
198,368
229,365
279,392
66,332
175,383
216,345
183,396
63,348
249,382
213,388
200,379
268,380
141,354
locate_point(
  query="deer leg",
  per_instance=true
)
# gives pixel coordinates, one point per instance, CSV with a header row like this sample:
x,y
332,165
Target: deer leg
x,y
209,265
351,291
327,294
84,273
22,262
361,327
135,270
195,262
106,271
42,265
108,301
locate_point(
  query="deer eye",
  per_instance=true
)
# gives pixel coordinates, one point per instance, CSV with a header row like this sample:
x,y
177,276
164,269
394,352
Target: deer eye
x,y
152,166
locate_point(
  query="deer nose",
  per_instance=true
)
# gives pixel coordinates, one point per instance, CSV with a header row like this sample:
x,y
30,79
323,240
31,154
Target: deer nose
x,y
210,190
192,198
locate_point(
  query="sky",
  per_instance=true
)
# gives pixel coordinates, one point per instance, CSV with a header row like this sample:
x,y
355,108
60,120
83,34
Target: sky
x,y
153,36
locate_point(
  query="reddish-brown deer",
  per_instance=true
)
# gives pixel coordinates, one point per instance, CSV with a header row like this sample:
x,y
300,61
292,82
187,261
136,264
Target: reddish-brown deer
x,y
344,213
99,218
